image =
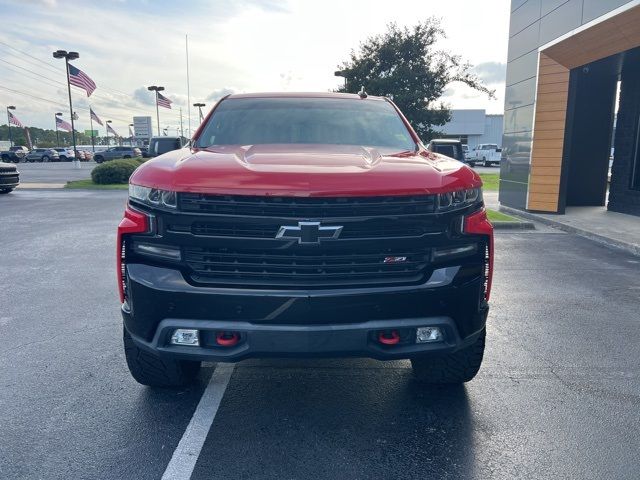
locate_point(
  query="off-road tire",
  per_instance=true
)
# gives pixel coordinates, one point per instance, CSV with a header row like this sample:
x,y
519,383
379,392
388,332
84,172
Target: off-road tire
x,y
457,367
153,371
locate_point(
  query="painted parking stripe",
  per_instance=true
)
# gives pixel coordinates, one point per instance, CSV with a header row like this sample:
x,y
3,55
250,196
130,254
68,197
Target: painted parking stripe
x,y
188,450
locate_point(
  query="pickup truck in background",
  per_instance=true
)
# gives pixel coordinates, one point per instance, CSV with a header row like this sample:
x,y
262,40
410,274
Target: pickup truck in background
x,y
15,154
485,153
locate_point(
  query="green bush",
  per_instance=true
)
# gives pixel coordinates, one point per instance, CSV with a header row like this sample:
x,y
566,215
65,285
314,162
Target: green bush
x,y
115,171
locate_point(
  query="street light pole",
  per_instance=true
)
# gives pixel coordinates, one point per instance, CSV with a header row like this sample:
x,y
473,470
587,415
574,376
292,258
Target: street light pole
x,y
199,105
10,107
70,56
156,89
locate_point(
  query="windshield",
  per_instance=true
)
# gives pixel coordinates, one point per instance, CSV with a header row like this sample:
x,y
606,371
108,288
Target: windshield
x,y
254,121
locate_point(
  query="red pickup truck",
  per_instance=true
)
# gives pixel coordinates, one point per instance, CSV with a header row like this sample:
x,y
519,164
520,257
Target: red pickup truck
x,y
304,225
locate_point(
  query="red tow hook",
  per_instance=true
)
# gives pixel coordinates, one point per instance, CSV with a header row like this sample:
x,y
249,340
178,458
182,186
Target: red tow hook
x,y
227,339
389,337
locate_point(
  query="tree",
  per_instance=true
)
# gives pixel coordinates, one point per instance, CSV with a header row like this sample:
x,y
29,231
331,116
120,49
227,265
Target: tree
x,y
404,65
47,138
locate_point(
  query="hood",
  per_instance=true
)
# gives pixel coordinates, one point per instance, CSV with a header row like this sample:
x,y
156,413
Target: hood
x,y
304,170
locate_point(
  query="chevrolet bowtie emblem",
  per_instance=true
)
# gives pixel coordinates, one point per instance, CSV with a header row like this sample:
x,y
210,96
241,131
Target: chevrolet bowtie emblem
x,y
309,232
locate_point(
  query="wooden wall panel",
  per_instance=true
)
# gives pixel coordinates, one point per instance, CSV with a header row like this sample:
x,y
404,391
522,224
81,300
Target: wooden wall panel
x,y
548,135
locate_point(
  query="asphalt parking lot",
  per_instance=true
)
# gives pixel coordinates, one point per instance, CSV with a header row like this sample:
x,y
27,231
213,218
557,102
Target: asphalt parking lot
x,y
58,172
558,395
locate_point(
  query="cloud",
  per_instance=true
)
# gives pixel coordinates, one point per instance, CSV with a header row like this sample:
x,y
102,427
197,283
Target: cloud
x,y
144,96
449,92
491,72
219,93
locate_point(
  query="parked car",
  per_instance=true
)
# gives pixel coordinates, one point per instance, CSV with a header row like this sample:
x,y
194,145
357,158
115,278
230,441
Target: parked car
x,y
486,153
65,154
42,155
87,155
9,177
449,147
310,242
144,151
15,154
117,152
160,145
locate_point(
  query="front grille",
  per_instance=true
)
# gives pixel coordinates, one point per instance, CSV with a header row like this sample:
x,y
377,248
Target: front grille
x,y
376,228
9,178
307,207
285,268
228,240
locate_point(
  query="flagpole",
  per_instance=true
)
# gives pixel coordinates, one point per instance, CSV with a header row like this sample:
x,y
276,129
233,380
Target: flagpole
x,y
76,160
181,131
57,136
186,41
9,126
93,147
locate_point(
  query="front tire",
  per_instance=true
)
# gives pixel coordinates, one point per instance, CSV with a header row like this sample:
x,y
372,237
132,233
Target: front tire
x,y
99,159
154,371
45,159
454,368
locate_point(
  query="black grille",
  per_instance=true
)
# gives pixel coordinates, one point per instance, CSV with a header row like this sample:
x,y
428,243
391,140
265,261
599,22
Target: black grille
x,y
307,207
285,268
232,240
9,178
353,230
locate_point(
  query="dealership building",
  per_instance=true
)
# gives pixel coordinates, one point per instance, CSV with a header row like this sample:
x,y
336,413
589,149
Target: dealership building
x,y
573,67
473,127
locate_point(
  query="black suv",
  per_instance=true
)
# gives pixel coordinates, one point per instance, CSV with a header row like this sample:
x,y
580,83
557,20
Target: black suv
x,y
9,177
449,147
160,145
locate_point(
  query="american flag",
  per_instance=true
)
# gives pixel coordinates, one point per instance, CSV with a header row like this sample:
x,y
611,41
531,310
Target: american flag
x,y
110,129
62,125
14,120
131,134
164,101
95,117
80,79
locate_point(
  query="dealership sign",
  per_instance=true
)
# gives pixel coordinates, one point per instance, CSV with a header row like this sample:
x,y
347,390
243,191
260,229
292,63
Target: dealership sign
x,y
142,128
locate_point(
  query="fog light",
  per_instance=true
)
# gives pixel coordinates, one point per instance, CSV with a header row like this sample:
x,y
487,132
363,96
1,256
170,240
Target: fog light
x,y
165,251
185,336
428,334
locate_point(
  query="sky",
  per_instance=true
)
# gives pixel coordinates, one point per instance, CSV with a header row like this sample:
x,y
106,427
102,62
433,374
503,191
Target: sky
x,y
234,46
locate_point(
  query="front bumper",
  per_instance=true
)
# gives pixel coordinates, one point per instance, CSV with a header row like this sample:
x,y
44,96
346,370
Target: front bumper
x,y
337,323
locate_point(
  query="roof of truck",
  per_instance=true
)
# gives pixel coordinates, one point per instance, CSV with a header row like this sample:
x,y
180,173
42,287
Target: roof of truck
x,y
353,96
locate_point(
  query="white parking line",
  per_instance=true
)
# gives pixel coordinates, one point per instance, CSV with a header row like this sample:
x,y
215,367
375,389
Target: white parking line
x,y
188,450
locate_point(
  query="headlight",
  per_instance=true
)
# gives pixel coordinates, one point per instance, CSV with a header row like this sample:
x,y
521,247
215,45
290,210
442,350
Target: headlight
x,y
153,196
459,199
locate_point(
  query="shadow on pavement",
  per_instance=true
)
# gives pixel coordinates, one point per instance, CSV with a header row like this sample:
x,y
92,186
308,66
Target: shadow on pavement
x,y
337,419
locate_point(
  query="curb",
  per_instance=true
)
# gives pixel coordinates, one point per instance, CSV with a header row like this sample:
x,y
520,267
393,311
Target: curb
x,y
632,248
513,225
39,185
